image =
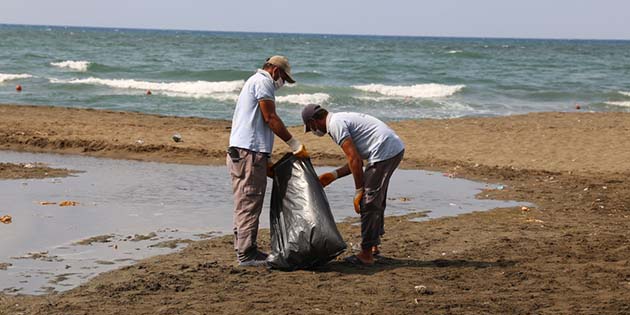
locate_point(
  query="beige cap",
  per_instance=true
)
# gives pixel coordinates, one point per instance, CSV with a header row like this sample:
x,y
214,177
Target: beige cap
x,y
283,63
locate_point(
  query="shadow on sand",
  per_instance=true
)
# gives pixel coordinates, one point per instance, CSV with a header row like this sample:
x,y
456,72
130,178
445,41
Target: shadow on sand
x,y
386,263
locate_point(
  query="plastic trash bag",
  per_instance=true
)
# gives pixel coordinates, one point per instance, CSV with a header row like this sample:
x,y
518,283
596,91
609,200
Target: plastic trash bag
x,y
303,231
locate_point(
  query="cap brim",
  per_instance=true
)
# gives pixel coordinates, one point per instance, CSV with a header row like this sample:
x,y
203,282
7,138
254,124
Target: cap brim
x,y
290,78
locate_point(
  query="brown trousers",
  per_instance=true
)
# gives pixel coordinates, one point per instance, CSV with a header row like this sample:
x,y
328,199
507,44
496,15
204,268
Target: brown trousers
x,y
376,181
249,181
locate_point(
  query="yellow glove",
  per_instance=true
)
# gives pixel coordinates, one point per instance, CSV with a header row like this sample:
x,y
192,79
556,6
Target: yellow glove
x,y
327,178
270,170
358,195
299,150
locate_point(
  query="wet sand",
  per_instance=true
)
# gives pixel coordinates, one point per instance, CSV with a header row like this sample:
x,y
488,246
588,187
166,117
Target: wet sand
x,y
30,170
569,254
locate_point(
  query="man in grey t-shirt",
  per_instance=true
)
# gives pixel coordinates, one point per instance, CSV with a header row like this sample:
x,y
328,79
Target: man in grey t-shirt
x,y
361,137
251,141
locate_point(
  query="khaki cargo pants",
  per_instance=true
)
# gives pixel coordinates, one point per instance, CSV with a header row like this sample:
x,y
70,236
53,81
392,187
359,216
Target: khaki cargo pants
x,y
375,182
249,181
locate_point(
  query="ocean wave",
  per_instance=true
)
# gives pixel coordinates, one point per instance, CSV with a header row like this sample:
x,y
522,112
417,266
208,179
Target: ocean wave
x,y
206,75
455,51
430,90
304,99
224,97
622,104
624,93
71,64
8,76
376,98
195,89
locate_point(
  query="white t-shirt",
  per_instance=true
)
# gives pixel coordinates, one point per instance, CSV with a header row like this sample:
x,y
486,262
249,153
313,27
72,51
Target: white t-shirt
x,y
374,140
249,129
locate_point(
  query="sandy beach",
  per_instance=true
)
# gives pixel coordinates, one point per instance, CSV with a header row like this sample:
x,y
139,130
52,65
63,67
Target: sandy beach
x,y
567,255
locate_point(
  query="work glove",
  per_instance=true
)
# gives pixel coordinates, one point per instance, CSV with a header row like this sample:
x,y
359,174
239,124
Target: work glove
x,y
270,170
327,178
299,150
358,196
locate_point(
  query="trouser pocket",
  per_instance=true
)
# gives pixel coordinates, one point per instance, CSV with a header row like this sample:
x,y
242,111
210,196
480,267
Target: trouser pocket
x,y
237,162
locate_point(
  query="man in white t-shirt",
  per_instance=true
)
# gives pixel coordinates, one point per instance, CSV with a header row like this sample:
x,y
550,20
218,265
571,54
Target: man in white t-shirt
x,y
361,137
254,125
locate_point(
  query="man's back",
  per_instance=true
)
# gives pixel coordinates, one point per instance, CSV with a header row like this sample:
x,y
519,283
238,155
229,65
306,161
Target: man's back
x,y
374,140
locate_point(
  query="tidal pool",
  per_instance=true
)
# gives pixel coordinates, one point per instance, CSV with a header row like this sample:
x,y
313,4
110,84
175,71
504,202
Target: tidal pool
x,y
131,209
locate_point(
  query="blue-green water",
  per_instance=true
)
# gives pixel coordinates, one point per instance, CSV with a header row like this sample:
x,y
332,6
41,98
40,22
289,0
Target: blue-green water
x,y
200,73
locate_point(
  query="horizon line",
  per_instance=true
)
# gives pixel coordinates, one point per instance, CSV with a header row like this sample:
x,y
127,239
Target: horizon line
x,y
320,34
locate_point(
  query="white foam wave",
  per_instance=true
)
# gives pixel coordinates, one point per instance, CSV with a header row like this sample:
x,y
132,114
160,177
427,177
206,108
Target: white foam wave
x,y
218,96
455,51
197,89
624,93
8,76
430,90
74,65
376,98
304,99
624,104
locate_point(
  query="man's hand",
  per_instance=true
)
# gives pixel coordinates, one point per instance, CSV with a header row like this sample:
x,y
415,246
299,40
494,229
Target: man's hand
x,y
358,195
299,150
327,178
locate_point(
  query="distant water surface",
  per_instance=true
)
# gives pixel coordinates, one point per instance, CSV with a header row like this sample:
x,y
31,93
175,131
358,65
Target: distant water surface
x,y
200,73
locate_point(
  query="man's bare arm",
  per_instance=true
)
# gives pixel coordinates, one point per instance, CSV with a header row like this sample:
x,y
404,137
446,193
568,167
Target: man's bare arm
x,y
355,163
268,109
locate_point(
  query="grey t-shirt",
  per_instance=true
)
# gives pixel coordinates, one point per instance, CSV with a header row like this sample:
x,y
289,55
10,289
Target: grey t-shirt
x,y
249,130
374,140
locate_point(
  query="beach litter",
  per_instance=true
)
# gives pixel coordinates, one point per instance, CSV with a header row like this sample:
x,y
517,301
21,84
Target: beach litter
x,y
47,203
6,219
534,221
421,289
68,203
177,137
525,209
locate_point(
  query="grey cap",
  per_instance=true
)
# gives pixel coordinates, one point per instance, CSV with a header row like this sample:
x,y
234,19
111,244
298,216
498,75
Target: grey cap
x,y
308,112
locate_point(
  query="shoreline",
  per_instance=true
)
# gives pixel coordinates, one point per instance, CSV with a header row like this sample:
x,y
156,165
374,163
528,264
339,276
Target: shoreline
x,y
567,255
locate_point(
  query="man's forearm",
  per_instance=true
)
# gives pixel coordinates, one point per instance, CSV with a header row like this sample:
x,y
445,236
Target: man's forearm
x,y
279,129
343,171
356,167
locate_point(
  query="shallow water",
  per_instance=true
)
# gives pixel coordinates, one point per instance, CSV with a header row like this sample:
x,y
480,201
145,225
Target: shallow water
x,y
125,198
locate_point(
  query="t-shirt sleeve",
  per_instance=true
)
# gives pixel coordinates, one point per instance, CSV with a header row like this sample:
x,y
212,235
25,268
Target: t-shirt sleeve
x,y
338,131
264,90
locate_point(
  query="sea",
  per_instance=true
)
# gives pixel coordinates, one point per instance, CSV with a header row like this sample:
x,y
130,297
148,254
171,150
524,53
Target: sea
x,y
200,73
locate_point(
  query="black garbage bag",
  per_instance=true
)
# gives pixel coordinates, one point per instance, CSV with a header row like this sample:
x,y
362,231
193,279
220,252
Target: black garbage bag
x,y
303,231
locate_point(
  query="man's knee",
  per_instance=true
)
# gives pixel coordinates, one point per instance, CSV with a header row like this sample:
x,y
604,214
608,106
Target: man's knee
x,y
373,206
